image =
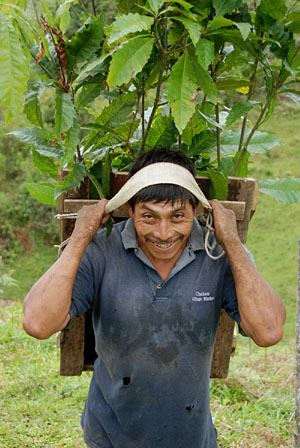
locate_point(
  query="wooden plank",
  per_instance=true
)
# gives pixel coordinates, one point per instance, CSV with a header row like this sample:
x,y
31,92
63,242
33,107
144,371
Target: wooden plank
x,y
74,205
223,347
71,344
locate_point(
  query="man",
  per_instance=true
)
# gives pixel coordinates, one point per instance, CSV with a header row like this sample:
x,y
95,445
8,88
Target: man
x,y
156,293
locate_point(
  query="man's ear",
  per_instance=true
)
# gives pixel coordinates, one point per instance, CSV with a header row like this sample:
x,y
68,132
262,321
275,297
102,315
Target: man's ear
x,y
129,210
197,208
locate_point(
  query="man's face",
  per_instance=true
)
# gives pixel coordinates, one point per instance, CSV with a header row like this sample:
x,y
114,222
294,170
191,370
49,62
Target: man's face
x,y
162,228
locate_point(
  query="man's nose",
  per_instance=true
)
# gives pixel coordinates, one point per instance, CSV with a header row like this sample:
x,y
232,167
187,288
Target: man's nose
x,y
163,230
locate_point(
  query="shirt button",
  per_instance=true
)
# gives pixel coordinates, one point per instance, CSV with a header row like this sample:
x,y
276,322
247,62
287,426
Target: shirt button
x,y
158,286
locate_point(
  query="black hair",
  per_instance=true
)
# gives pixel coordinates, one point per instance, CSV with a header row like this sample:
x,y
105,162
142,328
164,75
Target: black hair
x,y
163,192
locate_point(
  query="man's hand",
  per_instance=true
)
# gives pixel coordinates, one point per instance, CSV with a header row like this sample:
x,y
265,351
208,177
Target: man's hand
x,y
224,224
89,219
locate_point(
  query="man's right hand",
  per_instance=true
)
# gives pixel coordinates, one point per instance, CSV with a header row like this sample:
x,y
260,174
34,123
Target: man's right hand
x,y
89,219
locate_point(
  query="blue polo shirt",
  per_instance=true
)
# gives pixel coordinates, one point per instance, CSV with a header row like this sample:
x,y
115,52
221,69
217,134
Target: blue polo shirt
x,y
154,340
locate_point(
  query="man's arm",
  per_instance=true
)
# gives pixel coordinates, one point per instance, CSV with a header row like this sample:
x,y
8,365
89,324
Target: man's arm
x,y
261,309
46,306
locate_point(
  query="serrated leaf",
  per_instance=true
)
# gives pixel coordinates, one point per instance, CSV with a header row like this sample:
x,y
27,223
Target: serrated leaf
x,y
106,176
237,111
196,125
219,184
219,22
40,140
127,6
155,5
129,23
71,142
72,180
204,81
260,143
223,7
14,72
204,142
62,16
183,3
182,90
42,192
64,113
162,132
45,164
129,60
89,68
242,170
32,106
193,28
275,10
87,94
111,116
244,28
232,82
205,52
86,41
284,190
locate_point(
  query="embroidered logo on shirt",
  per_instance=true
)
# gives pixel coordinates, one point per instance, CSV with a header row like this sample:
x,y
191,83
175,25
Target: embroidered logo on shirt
x,y
202,297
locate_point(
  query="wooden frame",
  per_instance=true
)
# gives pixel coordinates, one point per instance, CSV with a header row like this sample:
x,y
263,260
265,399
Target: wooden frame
x,y
77,343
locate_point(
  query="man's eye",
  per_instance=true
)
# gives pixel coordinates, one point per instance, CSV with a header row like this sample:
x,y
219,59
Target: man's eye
x,y
178,216
148,217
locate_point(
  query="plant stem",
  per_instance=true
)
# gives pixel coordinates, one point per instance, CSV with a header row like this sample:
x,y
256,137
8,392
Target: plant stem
x,y
255,127
218,134
158,88
130,130
94,8
245,119
36,12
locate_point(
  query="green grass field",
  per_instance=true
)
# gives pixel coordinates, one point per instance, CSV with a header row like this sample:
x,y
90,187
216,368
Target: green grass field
x,y
253,407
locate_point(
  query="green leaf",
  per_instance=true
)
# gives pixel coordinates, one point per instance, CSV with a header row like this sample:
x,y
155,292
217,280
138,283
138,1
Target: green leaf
x,y
155,5
193,28
88,69
276,10
294,97
219,22
237,111
223,7
62,16
45,164
112,115
14,69
284,190
204,142
129,23
182,90
196,125
86,41
204,81
43,192
64,113
232,82
72,180
40,139
205,52
162,132
260,143
127,6
226,165
244,28
219,184
106,176
131,58
242,170
87,94
187,6
71,142
32,106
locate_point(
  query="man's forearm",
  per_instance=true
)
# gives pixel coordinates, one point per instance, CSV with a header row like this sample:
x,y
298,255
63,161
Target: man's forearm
x,y
261,309
46,307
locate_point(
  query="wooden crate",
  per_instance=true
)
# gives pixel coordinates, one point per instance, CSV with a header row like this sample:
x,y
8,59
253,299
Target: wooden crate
x,y
77,343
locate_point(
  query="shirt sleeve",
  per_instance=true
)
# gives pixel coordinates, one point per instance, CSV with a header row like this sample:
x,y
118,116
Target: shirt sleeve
x,y
87,282
230,302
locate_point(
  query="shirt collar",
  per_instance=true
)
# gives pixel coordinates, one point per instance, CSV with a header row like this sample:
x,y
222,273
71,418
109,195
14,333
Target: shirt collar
x,y
129,238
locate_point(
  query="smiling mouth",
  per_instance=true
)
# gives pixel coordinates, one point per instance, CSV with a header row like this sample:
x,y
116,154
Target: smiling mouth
x,y
164,245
